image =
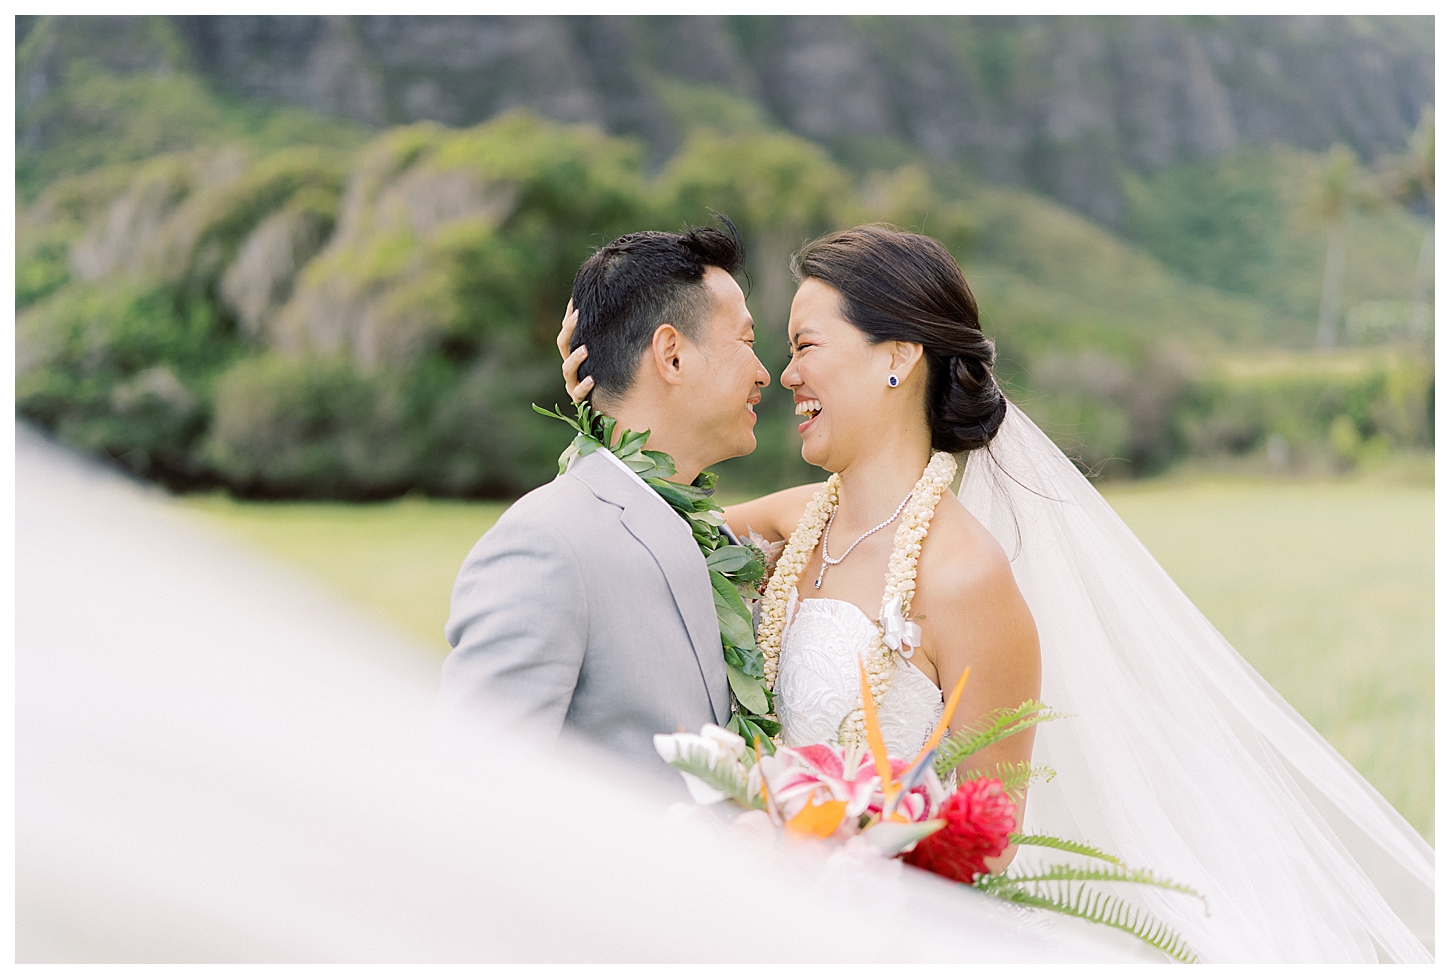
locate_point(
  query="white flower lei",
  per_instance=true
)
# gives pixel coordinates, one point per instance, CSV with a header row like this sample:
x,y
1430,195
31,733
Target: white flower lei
x,y
900,577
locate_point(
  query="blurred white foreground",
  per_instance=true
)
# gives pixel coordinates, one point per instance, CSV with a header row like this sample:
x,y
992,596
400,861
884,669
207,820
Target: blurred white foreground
x,y
218,761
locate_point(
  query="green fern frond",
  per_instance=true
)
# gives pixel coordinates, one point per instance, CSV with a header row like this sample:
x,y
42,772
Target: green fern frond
x,y
1075,898
1000,724
723,775
1117,874
1016,777
1057,843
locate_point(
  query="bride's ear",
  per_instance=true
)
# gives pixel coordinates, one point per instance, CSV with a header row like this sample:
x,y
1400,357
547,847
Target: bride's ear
x,y
904,357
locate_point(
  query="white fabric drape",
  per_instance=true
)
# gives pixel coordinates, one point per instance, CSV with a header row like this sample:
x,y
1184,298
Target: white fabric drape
x,y
1179,756
218,761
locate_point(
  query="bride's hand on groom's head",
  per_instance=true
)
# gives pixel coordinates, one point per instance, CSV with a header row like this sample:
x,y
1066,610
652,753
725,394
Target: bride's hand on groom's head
x,y
576,388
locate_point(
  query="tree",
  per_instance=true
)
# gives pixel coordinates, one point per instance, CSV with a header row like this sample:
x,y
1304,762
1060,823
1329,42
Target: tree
x,y
1411,182
1341,192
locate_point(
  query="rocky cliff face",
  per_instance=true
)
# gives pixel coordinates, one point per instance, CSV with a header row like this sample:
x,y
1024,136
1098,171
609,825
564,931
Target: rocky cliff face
x,y
1059,104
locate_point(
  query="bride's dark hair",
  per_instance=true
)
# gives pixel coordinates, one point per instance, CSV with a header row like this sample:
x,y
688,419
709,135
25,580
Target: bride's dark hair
x,y
896,285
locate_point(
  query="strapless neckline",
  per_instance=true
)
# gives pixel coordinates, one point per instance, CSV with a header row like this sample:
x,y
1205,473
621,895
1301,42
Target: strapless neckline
x,y
900,662
818,682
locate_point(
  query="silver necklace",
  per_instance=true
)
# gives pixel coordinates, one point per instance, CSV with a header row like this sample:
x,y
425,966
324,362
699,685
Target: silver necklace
x,y
827,561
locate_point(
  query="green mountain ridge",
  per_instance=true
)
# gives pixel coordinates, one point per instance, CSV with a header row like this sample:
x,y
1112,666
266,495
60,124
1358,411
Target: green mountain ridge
x,y
1064,105
215,291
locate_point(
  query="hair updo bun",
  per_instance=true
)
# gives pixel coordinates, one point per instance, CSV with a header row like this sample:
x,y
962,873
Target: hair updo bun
x,y
896,285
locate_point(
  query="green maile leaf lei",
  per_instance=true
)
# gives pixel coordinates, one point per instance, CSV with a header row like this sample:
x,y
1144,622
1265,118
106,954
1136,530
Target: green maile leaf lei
x,y
736,570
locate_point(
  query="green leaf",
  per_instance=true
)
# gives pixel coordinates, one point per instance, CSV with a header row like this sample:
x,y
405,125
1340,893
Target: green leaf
x,y
729,559
572,423
606,430
771,728
640,465
737,562
736,627
753,729
723,776
748,690
674,495
1057,843
1063,888
686,495
1015,777
751,659
664,465
1001,724
631,442
1115,874
1076,899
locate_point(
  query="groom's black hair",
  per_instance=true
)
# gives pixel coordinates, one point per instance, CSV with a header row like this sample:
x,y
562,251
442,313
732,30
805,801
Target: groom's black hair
x,y
626,289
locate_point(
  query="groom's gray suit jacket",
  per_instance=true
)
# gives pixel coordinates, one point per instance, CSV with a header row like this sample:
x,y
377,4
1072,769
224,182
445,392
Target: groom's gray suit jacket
x,y
588,606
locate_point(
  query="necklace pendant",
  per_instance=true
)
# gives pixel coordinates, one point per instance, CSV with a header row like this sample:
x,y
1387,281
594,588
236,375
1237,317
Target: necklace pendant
x,y
821,577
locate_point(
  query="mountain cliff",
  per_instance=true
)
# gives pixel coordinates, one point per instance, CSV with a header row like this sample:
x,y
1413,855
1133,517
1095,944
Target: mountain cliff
x,y
1064,105
326,257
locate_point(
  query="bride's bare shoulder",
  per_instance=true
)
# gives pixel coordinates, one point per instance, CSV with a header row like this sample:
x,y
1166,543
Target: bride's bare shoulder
x,y
960,557
774,517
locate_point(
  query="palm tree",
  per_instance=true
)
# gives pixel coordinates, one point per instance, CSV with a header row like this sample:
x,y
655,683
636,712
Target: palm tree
x,y
1412,183
1340,192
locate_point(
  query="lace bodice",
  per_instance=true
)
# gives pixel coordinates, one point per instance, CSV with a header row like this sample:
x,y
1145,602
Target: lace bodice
x,y
819,680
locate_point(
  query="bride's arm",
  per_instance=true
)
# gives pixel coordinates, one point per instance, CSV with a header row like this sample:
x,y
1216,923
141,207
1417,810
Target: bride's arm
x,y
773,517
973,616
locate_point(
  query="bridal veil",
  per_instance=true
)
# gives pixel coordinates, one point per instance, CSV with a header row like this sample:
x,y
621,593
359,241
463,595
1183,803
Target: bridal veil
x,y
1178,756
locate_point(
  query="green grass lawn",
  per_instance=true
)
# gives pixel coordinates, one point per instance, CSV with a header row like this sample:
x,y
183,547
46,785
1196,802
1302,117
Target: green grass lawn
x,y
398,558
1326,588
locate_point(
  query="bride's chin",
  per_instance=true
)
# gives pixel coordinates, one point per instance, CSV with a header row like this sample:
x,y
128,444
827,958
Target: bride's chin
x,y
814,455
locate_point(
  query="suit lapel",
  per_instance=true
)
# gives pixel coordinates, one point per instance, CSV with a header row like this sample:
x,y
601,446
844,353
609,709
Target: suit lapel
x,y
667,537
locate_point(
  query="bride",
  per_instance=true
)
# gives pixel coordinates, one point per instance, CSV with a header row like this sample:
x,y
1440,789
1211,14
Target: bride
x,y
1176,755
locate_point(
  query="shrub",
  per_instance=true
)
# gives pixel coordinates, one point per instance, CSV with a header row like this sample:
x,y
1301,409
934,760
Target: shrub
x,y
124,371
1340,404
309,428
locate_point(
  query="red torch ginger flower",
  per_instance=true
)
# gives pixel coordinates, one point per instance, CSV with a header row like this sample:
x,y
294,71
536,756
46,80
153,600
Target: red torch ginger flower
x,y
979,816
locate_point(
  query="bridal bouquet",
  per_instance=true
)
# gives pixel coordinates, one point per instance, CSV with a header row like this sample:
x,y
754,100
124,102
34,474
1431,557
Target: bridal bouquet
x,y
860,796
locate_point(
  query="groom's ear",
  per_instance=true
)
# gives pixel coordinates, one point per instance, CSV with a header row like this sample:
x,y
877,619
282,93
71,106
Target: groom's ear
x,y
665,349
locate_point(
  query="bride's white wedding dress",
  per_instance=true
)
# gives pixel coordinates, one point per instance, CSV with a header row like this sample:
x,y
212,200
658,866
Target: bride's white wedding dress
x,y
1178,756
819,681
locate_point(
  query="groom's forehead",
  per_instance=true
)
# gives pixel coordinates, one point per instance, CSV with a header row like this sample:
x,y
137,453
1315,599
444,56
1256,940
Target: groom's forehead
x,y
727,300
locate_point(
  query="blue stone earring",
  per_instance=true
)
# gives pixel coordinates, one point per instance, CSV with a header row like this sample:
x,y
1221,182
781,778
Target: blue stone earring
x,y
893,380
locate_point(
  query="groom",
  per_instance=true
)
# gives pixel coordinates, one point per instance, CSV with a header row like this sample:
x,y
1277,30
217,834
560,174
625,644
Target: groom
x,y
588,605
